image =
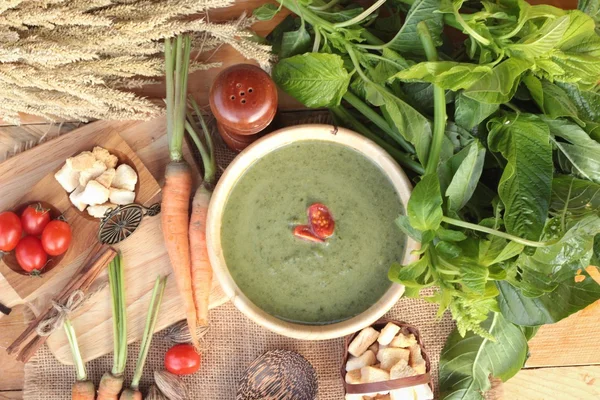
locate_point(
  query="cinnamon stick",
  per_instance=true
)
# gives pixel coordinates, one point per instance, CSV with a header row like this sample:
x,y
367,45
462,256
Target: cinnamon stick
x,y
28,342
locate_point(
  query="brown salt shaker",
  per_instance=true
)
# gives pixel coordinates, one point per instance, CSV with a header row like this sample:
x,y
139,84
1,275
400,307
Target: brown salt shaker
x,y
243,99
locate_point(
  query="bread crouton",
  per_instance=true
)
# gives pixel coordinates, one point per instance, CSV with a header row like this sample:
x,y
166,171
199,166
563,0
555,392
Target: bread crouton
x,y
402,340
372,374
390,356
353,377
125,178
416,359
121,196
97,168
362,341
76,199
106,177
366,359
401,370
388,333
94,194
81,161
403,394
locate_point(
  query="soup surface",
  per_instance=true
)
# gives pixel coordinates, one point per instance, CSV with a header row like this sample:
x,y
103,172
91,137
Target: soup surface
x,y
302,281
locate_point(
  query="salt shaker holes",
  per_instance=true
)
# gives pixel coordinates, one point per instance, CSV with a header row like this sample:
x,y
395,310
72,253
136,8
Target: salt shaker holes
x,y
232,97
250,90
243,101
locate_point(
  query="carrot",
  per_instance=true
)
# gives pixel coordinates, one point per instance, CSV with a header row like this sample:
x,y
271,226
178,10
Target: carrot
x,y
201,269
110,386
111,382
178,177
133,393
82,388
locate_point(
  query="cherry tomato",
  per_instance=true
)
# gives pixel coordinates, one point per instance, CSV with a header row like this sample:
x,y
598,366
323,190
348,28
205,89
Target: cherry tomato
x,y
30,254
320,220
34,219
10,231
182,359
304,232
56,237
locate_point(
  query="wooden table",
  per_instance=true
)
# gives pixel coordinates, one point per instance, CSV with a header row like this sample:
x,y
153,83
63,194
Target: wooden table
x,y
565,357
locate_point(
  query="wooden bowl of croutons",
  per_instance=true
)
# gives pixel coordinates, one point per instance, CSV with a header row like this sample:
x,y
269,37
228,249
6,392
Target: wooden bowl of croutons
x,y
386,361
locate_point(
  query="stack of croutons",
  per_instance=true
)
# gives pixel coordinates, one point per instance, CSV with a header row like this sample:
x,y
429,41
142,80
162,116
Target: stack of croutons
x,y
390,354
95,182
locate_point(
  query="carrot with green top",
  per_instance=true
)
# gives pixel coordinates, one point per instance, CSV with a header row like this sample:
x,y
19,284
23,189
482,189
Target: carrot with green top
x,y
201,268
177,189
112,382
83,389
133,392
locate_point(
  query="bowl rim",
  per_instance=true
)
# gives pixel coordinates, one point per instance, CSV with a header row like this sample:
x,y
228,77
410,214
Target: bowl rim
x,y
275,140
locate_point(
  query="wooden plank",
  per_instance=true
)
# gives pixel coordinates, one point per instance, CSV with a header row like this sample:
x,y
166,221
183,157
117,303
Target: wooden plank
x,y
12,395
572,341
16,139
11,371
573,383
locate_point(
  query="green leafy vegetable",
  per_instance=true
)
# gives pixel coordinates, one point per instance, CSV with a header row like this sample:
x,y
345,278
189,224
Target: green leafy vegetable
x,y
467,362
317,80
425,204
526,183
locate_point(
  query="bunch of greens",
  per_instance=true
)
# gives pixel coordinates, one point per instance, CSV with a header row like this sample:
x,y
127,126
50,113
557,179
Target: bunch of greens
x,y
507,198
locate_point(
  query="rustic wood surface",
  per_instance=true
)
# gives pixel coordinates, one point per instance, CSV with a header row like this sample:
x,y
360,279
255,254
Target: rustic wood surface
x,y
144,253
564,351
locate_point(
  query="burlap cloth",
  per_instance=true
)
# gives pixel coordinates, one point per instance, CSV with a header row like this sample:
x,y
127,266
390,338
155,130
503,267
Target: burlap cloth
x,y
234,341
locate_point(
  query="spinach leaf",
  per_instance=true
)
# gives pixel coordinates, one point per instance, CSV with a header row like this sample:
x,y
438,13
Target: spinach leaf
x,y
469,113
266,12
411,124
425,204
551,99
496,250
407,39
449,75
574,196
591,8
467,363
295,42
500,85
526,183
541,41
586,102
580,154
315,79
465,179
568,298
403,223
561,260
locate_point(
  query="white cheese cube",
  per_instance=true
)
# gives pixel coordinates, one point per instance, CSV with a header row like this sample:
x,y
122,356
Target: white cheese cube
x,y
68,178
125,178
76,198
95,194
121,197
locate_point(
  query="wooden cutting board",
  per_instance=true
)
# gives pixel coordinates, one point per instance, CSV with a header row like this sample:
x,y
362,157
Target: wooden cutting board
x,y
144,252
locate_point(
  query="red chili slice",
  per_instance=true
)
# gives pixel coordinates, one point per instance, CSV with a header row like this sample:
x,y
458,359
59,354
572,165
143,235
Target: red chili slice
x,y
304,232
320,220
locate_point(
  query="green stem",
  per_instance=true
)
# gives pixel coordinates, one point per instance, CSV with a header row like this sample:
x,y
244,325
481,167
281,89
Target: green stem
x,y
439,100
181,55
209,161
377,119
78,361
356,125
317,42
116,279
370,38
151,318
324,7
470,30
358,19
475,227
169,71
307,15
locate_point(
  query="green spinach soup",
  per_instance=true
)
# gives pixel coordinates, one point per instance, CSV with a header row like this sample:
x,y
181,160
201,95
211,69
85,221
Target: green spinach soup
x,y
304,281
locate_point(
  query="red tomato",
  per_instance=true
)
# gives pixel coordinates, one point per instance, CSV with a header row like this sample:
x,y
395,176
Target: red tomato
x,y
10,231
320,220
182,359
30,254
56,237
304,232
34,219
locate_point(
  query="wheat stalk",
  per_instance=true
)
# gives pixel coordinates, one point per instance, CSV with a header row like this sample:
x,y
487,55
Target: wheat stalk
x,y
76,59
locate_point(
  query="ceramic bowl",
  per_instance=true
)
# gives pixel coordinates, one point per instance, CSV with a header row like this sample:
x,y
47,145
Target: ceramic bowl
x,y
238,167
